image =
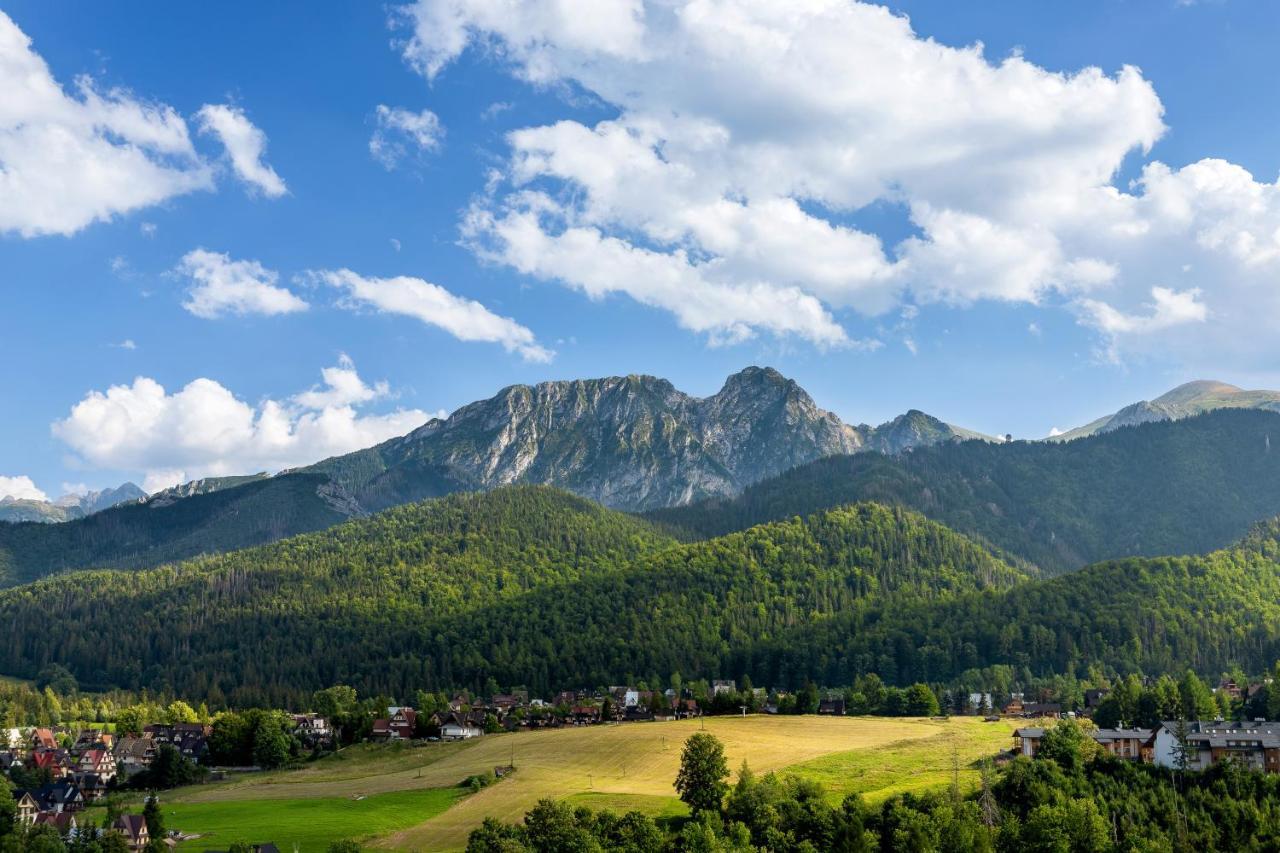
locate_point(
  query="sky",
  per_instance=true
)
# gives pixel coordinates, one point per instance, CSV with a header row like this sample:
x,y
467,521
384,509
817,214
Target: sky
x,y
241,236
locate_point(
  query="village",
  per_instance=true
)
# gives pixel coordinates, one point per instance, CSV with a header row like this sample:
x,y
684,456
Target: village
x,y
59,771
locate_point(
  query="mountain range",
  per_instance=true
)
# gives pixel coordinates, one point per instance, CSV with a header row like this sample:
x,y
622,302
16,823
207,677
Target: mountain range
x,y
68,507
703,466
1192,398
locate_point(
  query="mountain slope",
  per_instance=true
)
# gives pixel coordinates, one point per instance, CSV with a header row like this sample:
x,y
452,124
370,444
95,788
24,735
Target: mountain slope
x,y
1172,487
452,591
144,534
1188,400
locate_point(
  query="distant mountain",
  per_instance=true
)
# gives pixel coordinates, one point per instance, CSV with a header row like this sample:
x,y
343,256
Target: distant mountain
x,y
68,507
1193,398
1172,487
632,442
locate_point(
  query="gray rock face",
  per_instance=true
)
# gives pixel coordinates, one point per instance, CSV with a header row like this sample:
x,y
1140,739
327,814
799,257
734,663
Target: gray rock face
x,y
633,442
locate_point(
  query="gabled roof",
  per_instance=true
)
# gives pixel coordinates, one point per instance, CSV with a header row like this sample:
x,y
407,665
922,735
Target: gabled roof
x,y
132,825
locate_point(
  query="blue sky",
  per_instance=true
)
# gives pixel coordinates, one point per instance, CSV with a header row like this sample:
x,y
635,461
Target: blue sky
x,y
470,226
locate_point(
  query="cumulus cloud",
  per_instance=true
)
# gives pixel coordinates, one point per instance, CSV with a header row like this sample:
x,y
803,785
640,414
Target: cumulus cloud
x,y
745,133
245,144
20,488
204,430
70,159
401,133
465,319
221,286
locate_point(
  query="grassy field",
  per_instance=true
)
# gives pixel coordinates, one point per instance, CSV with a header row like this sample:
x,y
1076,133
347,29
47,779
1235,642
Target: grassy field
x,y
412,802
310,824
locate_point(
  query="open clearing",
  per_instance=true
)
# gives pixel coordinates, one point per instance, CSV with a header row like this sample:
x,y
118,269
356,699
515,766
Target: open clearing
x,y
618,767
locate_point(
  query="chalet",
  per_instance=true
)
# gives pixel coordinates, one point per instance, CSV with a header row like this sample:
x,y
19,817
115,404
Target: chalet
x,y
687,708
56,761
63,822
134,754
565,699
63,796
1253,744
1026,740
91,738
625,697
1042,709
832,707
28,807
722,686
91,785
458,702
8,758
12,739
312,729
43,738
134,829
977,703
584,715
1132,744
398,725
505,703
458,727
1230,688
98,761
1014,708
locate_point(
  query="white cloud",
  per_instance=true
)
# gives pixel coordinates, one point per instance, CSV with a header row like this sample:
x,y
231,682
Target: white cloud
x,y
20,488
204,430
1054,432
401,133
148,229
127,343
245,144
465,319
395,244
68,160
221,286
745,132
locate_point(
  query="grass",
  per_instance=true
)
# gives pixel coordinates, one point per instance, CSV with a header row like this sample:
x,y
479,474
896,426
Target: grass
x,y
310,824
617,767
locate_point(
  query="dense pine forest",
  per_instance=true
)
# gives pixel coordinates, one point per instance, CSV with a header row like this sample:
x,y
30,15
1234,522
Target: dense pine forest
x,y
1179,487
535,587
526,584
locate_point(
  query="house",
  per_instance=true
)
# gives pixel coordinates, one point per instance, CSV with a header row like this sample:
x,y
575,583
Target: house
x,y
722,686
1232,689
687,708
398,725
977,702
312,729
90,738
28,807
1093,697
832,707
584,715
56,761
134,754
1126,743
565,698
458,727
98,761
8,758
91,785
12,739
1253,744
134,829
63,796
1014,708
504,703
63,822
1042,709
1026,740
625,697
42,738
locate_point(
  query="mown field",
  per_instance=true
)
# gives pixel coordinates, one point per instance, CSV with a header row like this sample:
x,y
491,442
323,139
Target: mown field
x,y
407,798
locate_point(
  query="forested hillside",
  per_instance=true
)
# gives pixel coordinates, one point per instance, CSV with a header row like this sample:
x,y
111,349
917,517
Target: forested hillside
x,y
147,534
527,584
1178,487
